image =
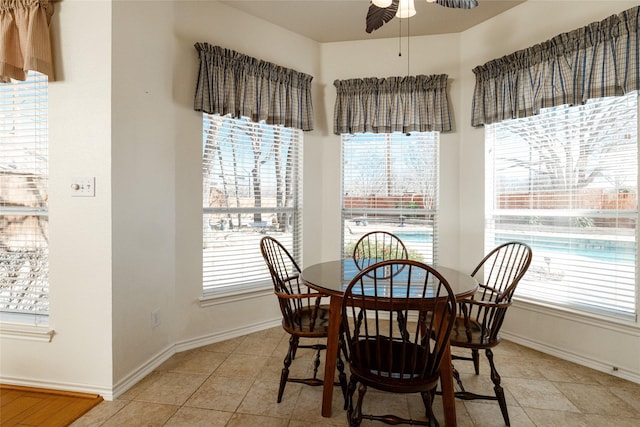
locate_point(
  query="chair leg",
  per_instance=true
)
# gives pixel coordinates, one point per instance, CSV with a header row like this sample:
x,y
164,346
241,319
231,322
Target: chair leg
x,y
495,377
456,376
427,399
351,389
293,345
475,355
343,345
342,378
294,349
355,417
316,364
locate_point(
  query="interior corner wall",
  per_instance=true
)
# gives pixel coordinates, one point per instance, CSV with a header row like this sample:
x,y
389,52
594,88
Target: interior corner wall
x,y
79,357
157,182
143,181
600,345
122,112
380,58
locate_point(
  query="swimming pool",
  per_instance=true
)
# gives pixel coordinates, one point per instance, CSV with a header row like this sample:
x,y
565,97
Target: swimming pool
x,y
615,251
415,236
623,252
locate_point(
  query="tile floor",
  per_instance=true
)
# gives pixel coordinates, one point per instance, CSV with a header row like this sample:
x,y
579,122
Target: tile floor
x,y
234,383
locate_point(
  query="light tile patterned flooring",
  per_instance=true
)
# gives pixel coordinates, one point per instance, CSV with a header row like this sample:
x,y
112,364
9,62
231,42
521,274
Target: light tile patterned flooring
x,y
234,383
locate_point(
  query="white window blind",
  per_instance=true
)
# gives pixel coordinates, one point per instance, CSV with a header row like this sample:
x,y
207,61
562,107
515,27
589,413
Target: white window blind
x,y
390,183
24,286
565,182
252,186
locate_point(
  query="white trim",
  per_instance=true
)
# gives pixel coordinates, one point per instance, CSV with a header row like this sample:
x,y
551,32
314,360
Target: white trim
x,y
226,298
146,368
26,332
610,323
628,328
142,371
201,341
74,387
572,357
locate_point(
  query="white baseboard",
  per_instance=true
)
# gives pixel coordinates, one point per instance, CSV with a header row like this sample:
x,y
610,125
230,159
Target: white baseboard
x,y
145,368
73,387
160,357
572,357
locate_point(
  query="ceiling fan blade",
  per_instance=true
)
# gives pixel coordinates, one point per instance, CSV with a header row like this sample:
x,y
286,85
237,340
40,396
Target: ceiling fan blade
x,y
460,4
378,16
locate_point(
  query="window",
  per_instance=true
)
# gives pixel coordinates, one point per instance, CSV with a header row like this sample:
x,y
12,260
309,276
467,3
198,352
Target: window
x,y
565,182
390,183
24,286
252,186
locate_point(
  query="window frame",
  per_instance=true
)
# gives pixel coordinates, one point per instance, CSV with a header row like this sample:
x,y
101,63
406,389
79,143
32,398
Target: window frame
x,y
567,263
419,209
280,210
25,123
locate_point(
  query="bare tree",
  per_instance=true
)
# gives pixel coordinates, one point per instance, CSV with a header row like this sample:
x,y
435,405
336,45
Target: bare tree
x,y
259,158
569,152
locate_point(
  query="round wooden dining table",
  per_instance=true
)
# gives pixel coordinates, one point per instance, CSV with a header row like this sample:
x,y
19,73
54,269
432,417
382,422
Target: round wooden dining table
x,y
332,278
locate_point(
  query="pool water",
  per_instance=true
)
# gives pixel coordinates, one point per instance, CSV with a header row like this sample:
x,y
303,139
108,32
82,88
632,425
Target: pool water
x,y
623,252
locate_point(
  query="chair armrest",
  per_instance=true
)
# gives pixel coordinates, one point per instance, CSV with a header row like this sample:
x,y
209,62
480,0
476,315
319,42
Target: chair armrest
x,y
481,315
300,296
484,303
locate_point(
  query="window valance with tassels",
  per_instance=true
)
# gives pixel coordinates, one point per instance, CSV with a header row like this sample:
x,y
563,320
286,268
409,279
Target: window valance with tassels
x,y
25,41
392,104
599,60
232,83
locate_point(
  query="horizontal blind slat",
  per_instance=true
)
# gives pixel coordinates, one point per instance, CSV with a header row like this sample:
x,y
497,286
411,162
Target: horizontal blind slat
x,y
390,182
565,182
24,284
251,187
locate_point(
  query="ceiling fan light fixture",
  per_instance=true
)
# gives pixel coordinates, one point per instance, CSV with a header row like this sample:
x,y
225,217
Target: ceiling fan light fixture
x,y
382,3
406,9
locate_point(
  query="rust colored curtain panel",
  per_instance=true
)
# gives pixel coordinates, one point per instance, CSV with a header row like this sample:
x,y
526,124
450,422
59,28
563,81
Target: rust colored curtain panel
x,y
25,41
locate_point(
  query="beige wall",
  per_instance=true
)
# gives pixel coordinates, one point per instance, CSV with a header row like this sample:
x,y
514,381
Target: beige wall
x,y
80,354
156,148
598,344
122,112
379,58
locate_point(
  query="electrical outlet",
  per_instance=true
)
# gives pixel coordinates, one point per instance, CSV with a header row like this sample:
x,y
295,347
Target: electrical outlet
x,y
155,318
83,186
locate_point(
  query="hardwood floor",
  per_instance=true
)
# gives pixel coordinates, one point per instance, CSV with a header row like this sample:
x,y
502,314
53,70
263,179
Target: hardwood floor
x,y
25,406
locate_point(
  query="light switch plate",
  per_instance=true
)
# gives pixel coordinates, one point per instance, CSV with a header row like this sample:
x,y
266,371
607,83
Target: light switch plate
x,y
83,187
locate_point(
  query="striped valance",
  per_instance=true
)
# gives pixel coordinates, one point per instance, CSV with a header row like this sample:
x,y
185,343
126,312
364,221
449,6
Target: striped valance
x,y
25,41
232,83
595,61
393,104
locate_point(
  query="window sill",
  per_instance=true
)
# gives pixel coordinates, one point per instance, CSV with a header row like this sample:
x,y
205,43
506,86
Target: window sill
x,y
591,319
26,332
217,298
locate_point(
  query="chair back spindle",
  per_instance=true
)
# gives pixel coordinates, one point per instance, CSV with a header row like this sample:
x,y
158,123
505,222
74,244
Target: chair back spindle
x,y
386,355
480,318
377,246
303,315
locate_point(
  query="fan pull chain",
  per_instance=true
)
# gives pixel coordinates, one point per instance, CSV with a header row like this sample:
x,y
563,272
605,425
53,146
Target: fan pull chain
x,y
400,37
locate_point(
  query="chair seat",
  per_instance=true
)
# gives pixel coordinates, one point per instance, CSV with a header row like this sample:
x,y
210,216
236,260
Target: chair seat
x,y
308,322
471,334
390,364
